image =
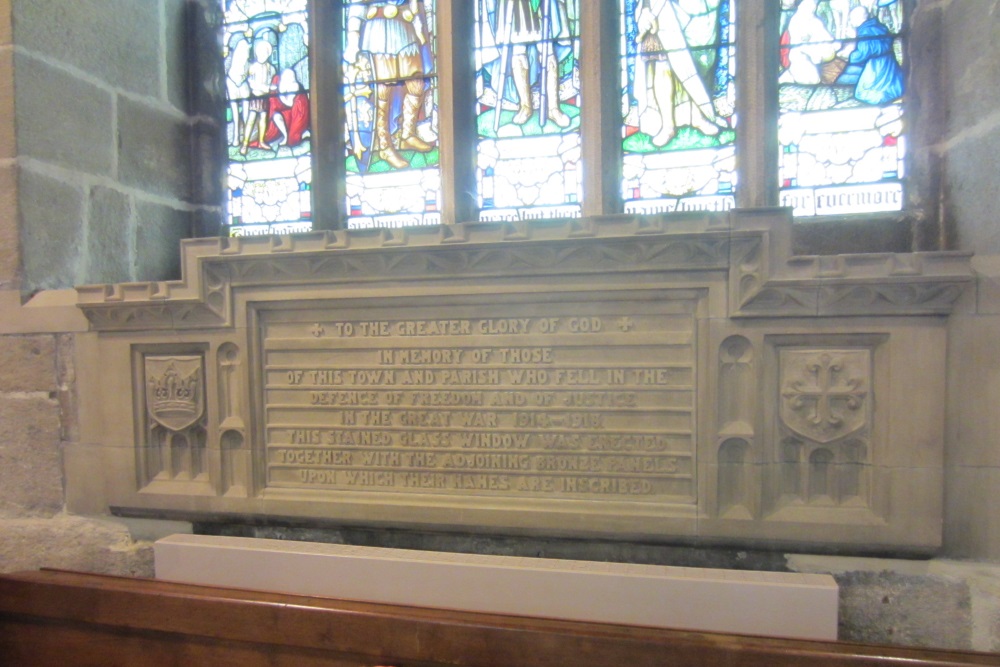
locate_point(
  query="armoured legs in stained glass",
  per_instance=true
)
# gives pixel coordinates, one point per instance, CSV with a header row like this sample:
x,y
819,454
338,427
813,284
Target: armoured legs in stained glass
x,y
390,33
523,24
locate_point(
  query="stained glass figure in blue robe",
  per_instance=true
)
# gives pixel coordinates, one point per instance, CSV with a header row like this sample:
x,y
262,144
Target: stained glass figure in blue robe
x,y
872,67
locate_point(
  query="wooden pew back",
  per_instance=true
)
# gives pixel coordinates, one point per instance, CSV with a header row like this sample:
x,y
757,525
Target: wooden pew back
x,y
65,618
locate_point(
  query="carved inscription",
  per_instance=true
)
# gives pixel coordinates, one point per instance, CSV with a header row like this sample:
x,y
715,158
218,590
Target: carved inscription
x,y
590,400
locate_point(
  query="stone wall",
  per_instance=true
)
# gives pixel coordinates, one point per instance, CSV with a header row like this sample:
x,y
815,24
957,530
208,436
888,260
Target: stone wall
x,y
971,153
95,186
97,128
105,137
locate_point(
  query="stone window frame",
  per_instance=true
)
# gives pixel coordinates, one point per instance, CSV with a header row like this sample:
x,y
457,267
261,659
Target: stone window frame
x,y
916,227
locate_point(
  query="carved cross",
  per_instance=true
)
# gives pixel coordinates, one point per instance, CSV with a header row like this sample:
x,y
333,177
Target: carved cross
x,y
826,387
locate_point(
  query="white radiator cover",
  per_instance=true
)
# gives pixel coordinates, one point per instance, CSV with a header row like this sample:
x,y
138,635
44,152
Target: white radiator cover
x,y
758,603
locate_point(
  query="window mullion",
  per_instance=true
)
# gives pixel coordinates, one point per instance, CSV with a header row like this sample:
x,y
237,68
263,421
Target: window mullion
x,y
327,112
600,101
757,104
456,104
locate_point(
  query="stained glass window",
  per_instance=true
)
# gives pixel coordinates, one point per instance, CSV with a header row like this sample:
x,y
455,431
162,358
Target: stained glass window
x,y
678,103
838,115
391,128
527,61
840,125
265,50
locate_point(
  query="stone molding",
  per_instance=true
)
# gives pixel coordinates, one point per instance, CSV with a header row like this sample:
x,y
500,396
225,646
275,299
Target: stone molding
x,y
752,245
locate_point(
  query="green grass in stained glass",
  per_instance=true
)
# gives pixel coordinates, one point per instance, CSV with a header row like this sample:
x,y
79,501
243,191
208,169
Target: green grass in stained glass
x,y
687,138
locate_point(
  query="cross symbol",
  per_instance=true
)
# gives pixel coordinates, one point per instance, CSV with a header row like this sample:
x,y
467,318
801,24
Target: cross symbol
x,y
824,391
318,330
626,324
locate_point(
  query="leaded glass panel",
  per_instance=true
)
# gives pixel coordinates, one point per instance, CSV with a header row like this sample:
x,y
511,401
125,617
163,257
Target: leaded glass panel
x,y
678,105
391,129
527,61
265,50
840,86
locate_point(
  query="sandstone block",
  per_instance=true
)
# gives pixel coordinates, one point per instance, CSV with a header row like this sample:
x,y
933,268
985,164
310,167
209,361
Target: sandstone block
x,y
8,144
30,460
10,246
5,25
74,543
27,363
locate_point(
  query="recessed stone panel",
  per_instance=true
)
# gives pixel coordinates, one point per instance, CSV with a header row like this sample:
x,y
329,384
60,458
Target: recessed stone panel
x,y
585,399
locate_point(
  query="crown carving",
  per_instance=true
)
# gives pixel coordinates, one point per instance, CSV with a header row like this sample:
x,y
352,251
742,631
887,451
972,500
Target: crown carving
x,y
174,390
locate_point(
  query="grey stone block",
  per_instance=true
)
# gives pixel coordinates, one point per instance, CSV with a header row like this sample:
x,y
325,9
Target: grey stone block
x,y
207,222
206,92
178,47
30,460
973,165
208,163
51,231
27,363
117,41
153,149
909,610
158,236
61,119
110,226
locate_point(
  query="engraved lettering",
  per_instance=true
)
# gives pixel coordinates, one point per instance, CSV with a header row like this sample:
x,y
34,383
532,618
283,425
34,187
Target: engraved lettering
x,y
525,355
425,439
584,324
575,404
429,356
377,328
597,399
424,418
504,326
494,440
448,398
482,482
508,398
314,457
473,377
433,328
344,398
368,417
487,461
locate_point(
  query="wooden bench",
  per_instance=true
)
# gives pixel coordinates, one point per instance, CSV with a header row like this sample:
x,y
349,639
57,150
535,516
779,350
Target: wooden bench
x,y
66,619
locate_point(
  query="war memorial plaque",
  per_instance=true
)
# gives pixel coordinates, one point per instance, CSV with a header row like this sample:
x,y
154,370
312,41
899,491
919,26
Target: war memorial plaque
x,y
671,379
569,400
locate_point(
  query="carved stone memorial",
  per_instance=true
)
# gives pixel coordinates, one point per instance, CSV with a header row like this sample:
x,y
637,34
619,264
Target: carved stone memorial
x,y
683,380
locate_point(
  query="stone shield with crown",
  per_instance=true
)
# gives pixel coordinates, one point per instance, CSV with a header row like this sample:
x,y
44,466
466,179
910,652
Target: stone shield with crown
x,y
175,396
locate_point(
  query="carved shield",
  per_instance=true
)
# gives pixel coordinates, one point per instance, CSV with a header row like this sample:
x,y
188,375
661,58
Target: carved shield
x,y
175,392
825,392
